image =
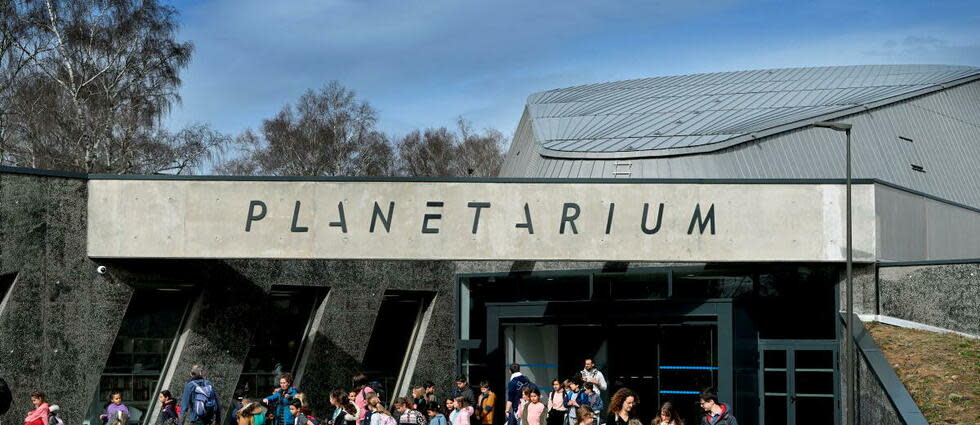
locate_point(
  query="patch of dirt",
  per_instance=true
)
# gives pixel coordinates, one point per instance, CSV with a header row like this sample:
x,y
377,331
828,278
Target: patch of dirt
x,y
941,371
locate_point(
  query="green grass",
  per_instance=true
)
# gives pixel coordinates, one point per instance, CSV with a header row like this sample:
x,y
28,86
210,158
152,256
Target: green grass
x,y
941,371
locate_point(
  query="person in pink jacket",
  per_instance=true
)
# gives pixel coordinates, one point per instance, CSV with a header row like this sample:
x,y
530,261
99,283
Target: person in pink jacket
x,y
38,416
463,411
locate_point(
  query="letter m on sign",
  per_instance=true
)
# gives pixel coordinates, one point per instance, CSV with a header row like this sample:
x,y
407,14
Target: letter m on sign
x,y
702,222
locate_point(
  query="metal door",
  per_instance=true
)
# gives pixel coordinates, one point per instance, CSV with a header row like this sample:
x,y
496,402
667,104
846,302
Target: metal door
x,y
799,382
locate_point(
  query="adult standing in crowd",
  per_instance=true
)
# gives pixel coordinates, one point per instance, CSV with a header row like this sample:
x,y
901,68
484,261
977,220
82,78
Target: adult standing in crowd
x,y
715,413
592,374
515,389
199,403
280,400
38,416
621,407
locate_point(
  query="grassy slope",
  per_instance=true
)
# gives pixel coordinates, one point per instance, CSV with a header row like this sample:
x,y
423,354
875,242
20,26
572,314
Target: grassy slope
x,y
941,371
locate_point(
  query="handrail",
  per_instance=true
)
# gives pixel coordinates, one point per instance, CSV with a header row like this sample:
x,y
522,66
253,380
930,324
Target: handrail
x,y
898,395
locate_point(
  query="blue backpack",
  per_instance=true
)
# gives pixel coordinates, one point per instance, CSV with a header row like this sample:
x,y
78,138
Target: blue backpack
x,y
204,400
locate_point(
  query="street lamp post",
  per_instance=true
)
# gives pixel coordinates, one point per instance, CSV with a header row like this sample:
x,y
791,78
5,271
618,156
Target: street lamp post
x,y
848,343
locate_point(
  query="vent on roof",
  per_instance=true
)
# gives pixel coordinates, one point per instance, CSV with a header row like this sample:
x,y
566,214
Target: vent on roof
x,y
623,169
919,168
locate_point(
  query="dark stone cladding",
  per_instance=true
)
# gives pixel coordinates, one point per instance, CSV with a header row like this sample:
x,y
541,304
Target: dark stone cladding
x,y
61,316
939,295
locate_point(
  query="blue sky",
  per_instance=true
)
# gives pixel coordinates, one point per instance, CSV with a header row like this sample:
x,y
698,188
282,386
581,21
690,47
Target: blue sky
x,y
422,63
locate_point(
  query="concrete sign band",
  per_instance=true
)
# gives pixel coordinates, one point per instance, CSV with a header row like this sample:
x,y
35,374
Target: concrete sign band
x,y
476,221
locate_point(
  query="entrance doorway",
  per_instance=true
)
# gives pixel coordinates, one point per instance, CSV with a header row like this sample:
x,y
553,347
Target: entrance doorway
x,y
799,382
668,361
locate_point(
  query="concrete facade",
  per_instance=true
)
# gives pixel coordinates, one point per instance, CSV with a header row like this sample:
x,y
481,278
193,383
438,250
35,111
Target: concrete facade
x,y
60,318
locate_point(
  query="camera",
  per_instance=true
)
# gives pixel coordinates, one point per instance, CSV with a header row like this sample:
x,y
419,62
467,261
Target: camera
x,y
100,269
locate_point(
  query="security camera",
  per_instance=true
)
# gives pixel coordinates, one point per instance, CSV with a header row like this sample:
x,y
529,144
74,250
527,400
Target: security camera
x,y
100,269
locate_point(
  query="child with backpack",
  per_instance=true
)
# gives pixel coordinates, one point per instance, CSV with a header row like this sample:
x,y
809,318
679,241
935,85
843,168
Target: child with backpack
x,y
199,403
168,408
54,416
380,415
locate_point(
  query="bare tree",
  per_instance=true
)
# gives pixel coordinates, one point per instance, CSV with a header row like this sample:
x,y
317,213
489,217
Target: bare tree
x,y
329,132
86,84
439,152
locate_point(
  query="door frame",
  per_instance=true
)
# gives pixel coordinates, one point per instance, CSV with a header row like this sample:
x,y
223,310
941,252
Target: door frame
x,y
719,310
790,346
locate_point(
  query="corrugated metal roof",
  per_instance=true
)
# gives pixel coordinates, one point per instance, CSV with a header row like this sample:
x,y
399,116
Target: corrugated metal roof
x,y
703,112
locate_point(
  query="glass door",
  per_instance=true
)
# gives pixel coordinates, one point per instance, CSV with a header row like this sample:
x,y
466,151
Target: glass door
x,y
799,382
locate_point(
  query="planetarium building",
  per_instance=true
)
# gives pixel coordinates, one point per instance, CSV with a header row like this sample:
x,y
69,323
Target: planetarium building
x,y
684,232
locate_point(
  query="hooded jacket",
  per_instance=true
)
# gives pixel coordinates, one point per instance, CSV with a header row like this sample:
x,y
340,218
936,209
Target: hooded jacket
x,y
725,418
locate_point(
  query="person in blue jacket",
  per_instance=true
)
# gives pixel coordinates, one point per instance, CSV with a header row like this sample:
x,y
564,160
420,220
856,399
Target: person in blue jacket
x,y
199,392
279,401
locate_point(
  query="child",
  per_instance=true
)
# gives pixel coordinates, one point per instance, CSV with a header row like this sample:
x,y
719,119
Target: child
x,y
116,411
296,412
485,403
667,416
345,412
463,411
251,413
381,416
534,411
435,414
585,416
418,399
556,404
595,402
576,400
525,398
168,408
451,408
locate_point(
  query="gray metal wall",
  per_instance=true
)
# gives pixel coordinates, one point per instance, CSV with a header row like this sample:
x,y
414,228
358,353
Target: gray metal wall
x,y
944,127
916,228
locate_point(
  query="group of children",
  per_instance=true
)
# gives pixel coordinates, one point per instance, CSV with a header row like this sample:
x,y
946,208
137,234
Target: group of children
x,y
570,403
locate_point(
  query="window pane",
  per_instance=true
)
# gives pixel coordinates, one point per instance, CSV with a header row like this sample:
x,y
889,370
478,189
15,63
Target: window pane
x,y
711,283
814,359
392,333
814,382
775,411
275,348
775,359
140,350
634,286
815,410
